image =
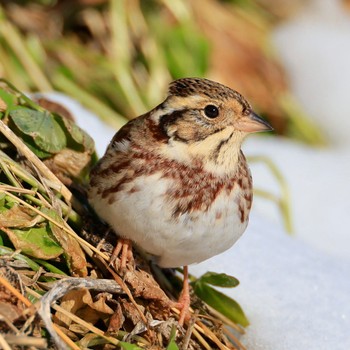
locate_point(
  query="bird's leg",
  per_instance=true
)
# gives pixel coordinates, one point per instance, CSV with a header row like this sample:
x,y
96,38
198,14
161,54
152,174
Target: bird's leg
x,y
184,301
124,249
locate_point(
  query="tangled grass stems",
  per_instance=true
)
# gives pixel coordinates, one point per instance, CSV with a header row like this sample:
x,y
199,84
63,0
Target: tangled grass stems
x,y
63,227
13,170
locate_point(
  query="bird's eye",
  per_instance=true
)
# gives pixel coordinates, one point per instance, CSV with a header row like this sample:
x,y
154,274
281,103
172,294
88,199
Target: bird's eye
x,y
211,111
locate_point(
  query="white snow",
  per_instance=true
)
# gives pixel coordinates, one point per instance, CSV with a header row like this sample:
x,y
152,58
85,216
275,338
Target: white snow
x,y
315,49
318,181
295,289
294,296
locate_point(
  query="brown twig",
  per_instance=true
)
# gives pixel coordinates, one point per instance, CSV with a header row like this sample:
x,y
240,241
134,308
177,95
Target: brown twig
x,y
59,289
15,292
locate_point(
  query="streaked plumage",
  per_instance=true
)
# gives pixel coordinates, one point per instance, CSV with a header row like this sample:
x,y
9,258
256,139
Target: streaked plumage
x,y
174,180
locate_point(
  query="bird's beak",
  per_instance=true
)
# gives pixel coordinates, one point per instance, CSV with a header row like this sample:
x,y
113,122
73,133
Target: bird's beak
x,y
252,123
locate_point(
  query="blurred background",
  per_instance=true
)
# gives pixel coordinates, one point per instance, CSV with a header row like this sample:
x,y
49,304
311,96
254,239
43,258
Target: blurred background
x,y
291,60
117,57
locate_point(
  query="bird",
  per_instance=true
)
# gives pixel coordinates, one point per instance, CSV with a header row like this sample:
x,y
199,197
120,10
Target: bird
x,y
175,182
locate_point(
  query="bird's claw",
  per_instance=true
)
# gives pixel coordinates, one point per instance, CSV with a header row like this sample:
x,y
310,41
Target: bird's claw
x,y
122,254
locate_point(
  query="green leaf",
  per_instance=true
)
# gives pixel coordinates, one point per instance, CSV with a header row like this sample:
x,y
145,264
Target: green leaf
x,y
35,242
219,280
46,132
128,346
78,135
221,302
172,345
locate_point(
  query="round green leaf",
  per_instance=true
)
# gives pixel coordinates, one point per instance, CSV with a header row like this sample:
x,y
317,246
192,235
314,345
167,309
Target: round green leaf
x,y
46,132
35,242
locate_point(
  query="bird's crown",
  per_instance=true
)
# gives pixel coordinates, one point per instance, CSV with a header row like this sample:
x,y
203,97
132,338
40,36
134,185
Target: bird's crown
x,y
186,87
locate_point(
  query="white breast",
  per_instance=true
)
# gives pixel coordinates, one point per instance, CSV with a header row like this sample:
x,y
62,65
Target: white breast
x,y
146,218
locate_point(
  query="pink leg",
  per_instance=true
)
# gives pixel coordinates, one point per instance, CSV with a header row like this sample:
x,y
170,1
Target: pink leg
x,y
124,249
184,301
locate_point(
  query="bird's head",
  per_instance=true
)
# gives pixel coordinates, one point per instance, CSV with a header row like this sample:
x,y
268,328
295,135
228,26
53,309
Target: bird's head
x,y
206,119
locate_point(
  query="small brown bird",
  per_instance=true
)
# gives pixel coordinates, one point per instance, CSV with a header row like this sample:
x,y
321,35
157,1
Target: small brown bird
x,y
175,181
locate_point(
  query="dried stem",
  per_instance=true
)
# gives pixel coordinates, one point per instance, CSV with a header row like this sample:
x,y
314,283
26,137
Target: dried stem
x,y
44,170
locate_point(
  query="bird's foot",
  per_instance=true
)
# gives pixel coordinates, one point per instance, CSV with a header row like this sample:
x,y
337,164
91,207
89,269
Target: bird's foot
x,y
122,254
184,302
